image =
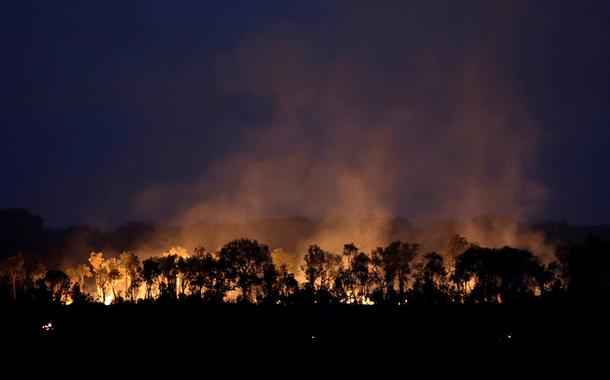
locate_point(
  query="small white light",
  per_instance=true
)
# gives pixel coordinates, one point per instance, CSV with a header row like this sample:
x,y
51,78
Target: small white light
x,y
47,326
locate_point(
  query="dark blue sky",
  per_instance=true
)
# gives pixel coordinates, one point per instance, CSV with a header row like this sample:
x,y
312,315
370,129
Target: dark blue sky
x,y
99,100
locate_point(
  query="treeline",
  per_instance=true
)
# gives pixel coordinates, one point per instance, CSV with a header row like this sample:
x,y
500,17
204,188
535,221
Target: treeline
x,y
244,270
24,232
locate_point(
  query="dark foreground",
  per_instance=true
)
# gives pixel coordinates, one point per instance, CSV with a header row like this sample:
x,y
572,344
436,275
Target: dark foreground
x,y
245,329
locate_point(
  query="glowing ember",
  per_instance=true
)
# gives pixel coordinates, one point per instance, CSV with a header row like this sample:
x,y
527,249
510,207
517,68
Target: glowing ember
x,y
67,300
357,299
48,327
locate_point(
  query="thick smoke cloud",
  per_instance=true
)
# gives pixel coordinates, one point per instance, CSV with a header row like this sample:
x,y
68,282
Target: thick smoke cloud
x,y
354,138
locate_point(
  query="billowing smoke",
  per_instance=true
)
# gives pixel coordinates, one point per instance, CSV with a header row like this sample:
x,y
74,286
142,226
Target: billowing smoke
x,y
353,139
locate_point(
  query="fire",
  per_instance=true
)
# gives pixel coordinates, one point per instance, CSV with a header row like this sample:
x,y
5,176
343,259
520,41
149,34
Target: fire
x,y
357,299
66,299
108,300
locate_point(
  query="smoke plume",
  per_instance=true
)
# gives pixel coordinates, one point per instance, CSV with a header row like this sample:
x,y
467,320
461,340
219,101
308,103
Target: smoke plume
x,y
352,138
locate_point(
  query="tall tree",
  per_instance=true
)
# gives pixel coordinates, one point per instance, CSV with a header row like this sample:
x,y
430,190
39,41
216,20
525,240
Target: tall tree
x,y
114,276
360,268
100,272
78,274
396,261
129,266
430,284
168,274
150,275
58,284
499,274
434,268
377,275
314,266
13,268
406,254
246,261
287,284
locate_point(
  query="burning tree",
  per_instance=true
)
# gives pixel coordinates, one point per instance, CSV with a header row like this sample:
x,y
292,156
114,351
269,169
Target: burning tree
x,y
78,274
130,269
392,274
114,275
100,272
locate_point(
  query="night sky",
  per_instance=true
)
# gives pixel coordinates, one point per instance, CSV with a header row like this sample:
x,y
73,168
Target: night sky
x,y
100,101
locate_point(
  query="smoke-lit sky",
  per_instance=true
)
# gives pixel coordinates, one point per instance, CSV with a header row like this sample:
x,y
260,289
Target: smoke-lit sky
x,y
114,110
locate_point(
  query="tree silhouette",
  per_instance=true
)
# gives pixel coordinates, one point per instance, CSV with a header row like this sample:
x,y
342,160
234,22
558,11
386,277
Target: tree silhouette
x,y
114,276
246,261
392,274
377,275
150,274
434,268
287,284
100,272
360,268
500,274
349,251
406,254
218,279
167,274
430,285
270,288
396,261
131,272
193,272
13,268
314,266
58,284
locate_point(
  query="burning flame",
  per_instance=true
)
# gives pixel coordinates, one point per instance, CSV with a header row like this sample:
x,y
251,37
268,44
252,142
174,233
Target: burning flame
x,y
357,299
66,299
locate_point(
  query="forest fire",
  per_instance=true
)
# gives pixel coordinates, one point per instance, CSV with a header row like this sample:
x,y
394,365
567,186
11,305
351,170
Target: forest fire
x,y
187,180
244,270
357,299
